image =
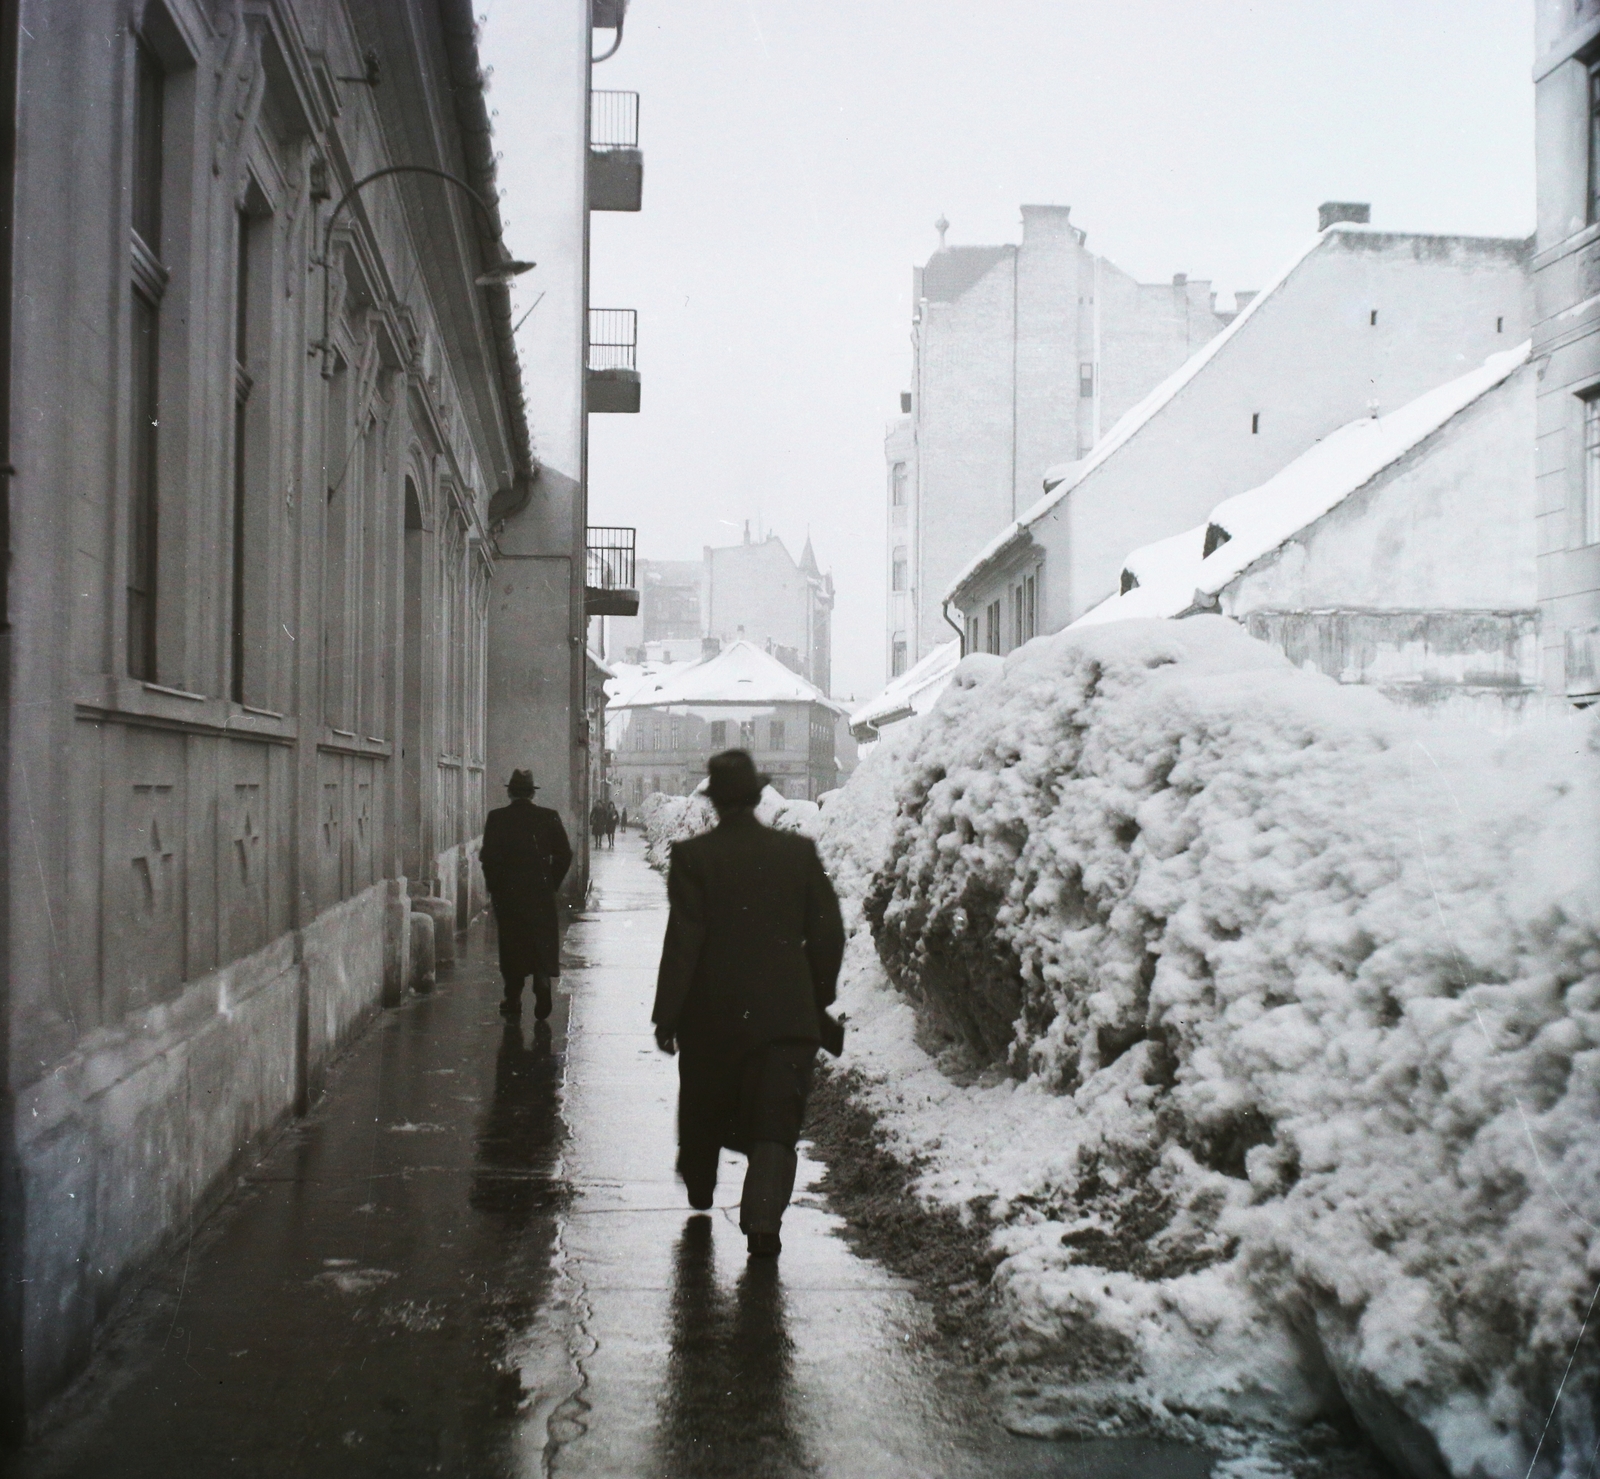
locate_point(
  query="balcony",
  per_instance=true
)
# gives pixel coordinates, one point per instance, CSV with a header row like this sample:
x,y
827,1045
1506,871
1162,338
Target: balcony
x,y
610,587
616,163
613,372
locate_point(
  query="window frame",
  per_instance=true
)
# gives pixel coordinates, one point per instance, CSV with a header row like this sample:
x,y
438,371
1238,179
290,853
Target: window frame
x,y
1588,521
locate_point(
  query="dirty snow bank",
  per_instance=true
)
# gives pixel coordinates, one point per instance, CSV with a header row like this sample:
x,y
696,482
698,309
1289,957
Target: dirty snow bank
x,y
1266,1022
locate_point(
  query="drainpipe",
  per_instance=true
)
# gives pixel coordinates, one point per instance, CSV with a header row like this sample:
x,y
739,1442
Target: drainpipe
x,y
961,632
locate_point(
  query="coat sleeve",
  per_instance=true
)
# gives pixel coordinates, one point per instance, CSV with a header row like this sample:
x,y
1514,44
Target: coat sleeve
x,y
680,950
560,852
824,931
492,854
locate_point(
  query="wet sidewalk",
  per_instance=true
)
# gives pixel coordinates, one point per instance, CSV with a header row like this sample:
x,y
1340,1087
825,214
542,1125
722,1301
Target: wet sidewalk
x,y
472,1259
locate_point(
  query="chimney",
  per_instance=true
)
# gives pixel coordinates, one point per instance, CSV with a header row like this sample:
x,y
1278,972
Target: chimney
x,y
709,647
1331,212
905,402
1242,297
1180,280
1047,223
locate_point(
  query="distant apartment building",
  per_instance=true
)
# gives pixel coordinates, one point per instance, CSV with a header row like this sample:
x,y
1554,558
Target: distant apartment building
x,y
1566,341
1360,323
1019,351
669,614
665,726
758,592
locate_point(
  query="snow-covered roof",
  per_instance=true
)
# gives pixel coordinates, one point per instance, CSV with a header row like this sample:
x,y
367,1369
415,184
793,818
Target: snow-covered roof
x,y
633,678
1172,573
741,673
1064,477
915,691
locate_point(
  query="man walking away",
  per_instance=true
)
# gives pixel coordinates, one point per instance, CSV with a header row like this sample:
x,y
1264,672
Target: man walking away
x,y
748,967
611,824
597,821
525,856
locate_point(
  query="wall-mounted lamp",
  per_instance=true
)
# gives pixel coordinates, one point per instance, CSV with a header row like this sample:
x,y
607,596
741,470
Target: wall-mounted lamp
x,y
500,273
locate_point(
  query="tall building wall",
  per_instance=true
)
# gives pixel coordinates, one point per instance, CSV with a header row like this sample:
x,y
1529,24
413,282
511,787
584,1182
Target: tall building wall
x,y
1024,356
1566,342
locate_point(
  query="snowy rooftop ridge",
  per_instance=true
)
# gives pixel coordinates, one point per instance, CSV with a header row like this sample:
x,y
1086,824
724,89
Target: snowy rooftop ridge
x,y
741,673
913,692
1172,573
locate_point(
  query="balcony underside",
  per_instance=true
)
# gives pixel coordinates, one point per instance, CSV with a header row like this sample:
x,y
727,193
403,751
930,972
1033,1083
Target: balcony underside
x,y
608,602
613,390
616,179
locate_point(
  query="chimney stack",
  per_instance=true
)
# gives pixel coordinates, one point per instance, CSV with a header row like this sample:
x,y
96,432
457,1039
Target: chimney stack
x,y
709,647
1331,212
1180,279
1047,223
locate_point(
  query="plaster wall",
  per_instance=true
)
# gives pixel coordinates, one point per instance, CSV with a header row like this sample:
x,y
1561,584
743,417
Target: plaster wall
x,y
1566,339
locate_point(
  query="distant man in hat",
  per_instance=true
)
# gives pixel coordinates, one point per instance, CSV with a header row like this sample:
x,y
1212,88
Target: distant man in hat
x,y
748,968
525,856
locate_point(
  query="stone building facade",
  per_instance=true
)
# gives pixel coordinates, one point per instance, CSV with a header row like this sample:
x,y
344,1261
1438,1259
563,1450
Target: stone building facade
x,y
258,463
1566,341
1022,355
1359,324
758,592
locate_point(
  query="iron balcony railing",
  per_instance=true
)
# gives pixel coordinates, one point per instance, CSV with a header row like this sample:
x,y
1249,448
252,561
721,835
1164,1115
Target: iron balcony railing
x,y
613,338
611,559
613,120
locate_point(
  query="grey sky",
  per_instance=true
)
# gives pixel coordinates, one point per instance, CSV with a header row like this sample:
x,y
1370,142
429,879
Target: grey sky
x,y
796,154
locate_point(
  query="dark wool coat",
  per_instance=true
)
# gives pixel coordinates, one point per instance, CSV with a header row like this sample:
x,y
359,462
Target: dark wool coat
x,y
754,940
525,856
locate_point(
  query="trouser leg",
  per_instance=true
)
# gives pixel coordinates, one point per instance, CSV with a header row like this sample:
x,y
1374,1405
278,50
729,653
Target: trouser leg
x,y
541,996
768,1185
513,986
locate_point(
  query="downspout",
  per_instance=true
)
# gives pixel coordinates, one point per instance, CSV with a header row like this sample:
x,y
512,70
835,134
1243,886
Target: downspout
x,y
13,1216
960,631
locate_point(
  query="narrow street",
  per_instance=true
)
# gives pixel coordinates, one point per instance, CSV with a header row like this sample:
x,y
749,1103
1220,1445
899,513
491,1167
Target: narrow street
x,y
472,1259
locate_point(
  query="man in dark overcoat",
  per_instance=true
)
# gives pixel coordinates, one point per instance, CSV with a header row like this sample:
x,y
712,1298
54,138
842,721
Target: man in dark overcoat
x,y
748,968
525,856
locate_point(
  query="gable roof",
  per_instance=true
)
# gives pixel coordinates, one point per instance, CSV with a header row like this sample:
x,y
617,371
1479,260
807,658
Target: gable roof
x,y
741,673
914,692
1172,574
950,271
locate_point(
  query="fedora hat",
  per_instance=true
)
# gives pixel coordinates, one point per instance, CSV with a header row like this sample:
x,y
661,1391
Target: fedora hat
x,y
521,783
733,780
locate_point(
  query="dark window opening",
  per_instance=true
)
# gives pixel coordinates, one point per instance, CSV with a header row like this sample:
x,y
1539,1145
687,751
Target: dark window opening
x,y
1130,582
775,734
1372,318
897,658
1255,423
1499,326
1216,537
1594,142
241,461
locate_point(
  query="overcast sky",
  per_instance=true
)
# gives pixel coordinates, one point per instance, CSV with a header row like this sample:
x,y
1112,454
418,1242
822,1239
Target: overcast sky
x,y
798,151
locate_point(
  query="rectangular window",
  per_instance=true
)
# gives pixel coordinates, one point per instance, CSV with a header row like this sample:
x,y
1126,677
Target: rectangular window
x,y
897,658
1086,381
1030,602
149,279
677,734
719,734
747,734
897,485
897,571
241,463
775,734
1594,142
992,628
1591,470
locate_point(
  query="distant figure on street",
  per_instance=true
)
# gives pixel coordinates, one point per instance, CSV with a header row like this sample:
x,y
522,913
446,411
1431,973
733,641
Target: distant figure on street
x,y
525,856
597,821
748,968
624,819
611,824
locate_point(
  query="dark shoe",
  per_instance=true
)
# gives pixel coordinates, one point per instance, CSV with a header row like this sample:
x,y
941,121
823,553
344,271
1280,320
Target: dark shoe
x,y
511,1010
541,999
765,1245
701,1200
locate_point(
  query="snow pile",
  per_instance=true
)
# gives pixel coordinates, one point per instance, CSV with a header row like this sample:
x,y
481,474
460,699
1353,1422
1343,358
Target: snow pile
x,y
1268,1030
669,819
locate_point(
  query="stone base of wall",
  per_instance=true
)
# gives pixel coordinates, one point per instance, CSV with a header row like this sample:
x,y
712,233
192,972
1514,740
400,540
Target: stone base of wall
x,y
126,1143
